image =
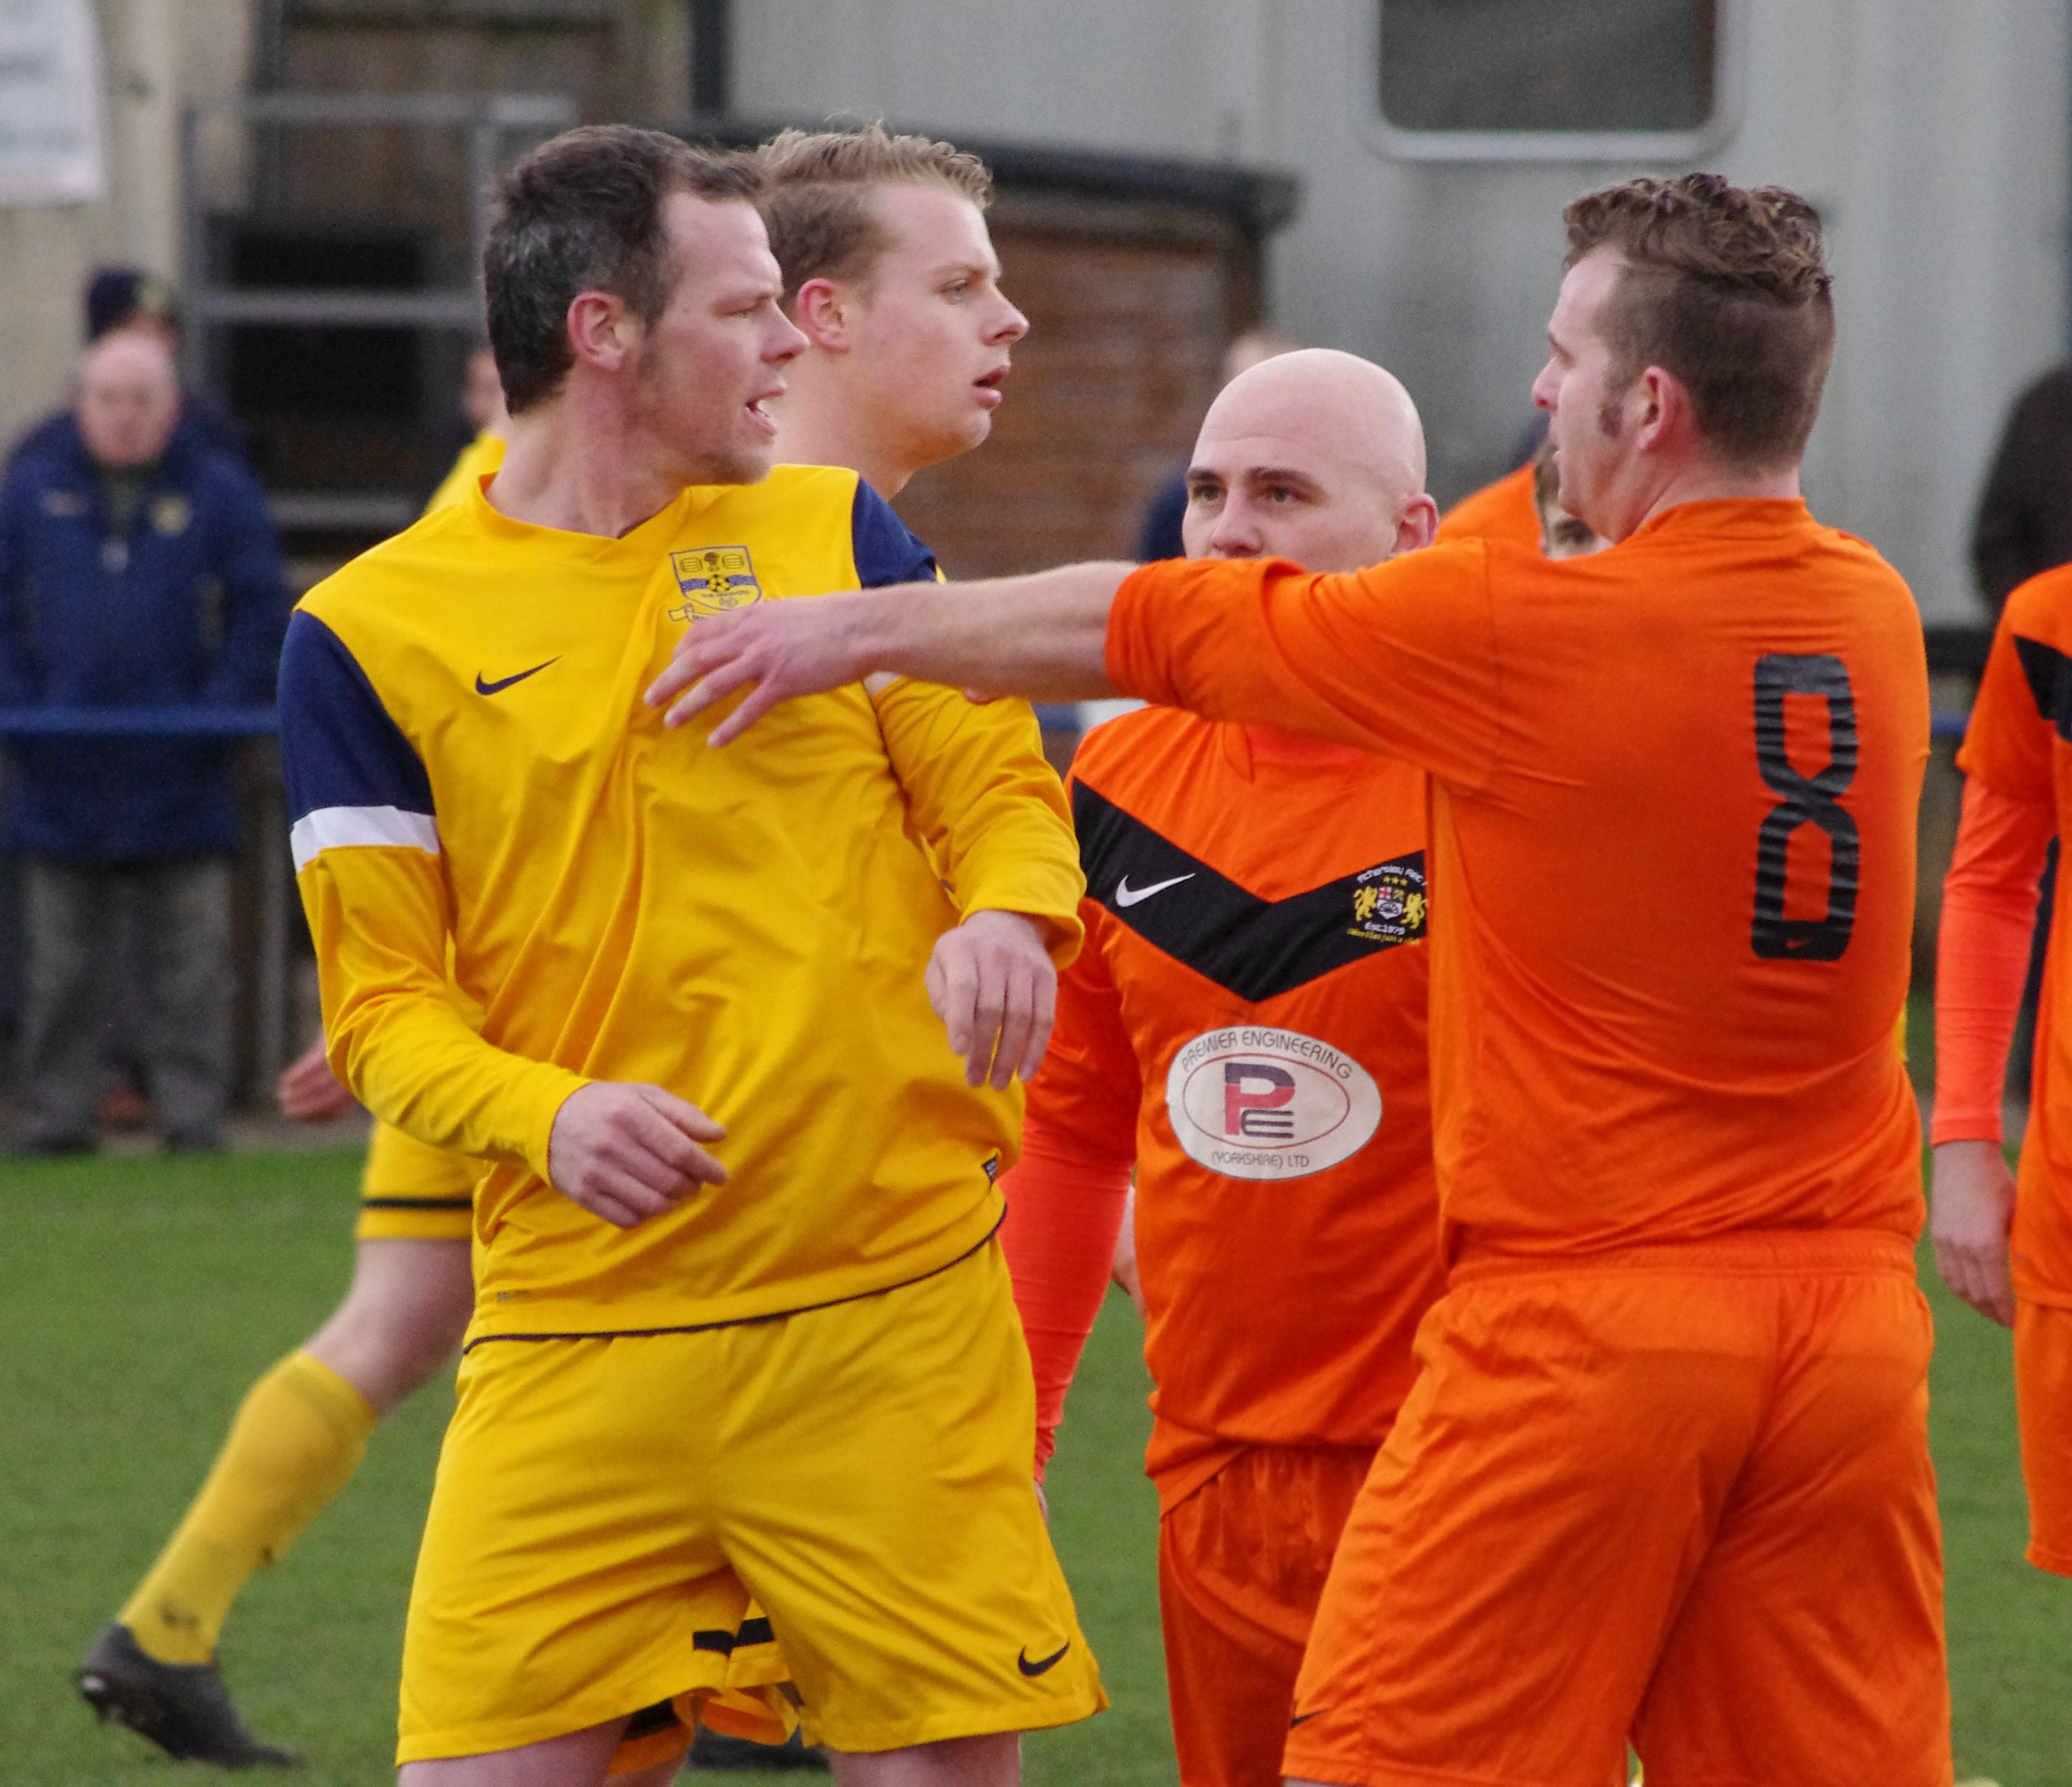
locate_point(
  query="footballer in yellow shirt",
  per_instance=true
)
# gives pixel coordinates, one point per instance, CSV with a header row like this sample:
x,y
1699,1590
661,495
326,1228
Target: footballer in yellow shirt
x,y
777,1358
761,919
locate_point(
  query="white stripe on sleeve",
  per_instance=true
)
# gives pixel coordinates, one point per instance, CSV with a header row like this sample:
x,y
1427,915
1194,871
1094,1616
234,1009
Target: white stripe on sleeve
x,y
341,827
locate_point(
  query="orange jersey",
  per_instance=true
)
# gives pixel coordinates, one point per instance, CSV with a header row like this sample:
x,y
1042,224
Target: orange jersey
x,y
1672,853
2019,744
1248,1023
1502,511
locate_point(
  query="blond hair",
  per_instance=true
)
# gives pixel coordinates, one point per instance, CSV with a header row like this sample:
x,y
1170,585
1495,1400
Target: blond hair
x,y
816,193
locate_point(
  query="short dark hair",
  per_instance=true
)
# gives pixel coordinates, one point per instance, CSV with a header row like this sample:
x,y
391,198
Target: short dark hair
x,y
584,213
1726,289
816,195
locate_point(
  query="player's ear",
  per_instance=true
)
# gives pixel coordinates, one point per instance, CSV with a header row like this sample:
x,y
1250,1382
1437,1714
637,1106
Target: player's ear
x,y
819,313
1419,522
602,330
1663,411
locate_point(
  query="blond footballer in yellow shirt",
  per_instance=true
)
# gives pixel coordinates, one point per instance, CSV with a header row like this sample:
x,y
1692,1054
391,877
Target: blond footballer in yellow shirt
x,y
760,1342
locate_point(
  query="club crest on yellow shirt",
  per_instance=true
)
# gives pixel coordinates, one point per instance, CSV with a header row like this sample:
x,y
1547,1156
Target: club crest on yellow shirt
x,y
715,580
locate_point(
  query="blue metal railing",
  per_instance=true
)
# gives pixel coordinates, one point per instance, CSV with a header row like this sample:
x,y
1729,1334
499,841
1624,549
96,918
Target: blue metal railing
x,y
191,721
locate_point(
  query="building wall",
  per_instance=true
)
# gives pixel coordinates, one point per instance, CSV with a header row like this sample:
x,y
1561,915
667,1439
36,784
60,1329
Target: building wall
x,y
1129,303
154,51
157,54
1937,150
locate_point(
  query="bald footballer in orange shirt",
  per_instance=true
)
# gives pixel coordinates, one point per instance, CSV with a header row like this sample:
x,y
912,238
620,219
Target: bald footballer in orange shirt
x,y
1664,1473
1247,1025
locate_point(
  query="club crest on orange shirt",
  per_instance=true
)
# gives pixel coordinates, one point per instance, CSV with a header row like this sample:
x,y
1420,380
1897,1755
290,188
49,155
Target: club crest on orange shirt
x,y
1389,901
715,580
1258,1102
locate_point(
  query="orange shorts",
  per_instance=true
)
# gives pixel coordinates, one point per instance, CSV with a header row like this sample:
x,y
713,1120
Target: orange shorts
x,y
1241,1562
1679,1494
2043,1407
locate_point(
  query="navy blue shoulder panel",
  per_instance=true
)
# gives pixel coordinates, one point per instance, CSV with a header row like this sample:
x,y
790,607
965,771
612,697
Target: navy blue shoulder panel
x,y
339,746
2049,673
885,550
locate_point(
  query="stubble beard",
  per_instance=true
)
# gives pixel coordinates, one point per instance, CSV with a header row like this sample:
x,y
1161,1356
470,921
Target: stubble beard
x,y
737,461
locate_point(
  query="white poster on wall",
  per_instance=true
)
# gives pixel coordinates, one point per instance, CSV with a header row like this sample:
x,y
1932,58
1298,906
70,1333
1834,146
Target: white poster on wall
x,y
52,150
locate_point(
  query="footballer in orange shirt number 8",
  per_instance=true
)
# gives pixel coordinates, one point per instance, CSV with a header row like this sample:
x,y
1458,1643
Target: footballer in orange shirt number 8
x,y
1663,1475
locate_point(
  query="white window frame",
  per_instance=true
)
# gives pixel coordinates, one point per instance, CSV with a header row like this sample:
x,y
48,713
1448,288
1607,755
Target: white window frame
x,y
1729,55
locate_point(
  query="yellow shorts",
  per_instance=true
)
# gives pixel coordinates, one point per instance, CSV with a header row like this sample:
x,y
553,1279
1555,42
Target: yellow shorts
x,y
409,1191
606,1507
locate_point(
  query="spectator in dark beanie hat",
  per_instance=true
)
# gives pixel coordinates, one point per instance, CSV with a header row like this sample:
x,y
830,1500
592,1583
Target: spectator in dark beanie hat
x,y
128,297
119,298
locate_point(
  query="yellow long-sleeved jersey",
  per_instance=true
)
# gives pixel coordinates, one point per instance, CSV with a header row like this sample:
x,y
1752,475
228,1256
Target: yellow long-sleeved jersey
x,y
470,767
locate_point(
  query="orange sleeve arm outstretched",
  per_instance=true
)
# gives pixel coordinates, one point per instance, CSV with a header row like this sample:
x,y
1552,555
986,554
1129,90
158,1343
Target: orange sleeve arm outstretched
x,y
1065,1199
1982,955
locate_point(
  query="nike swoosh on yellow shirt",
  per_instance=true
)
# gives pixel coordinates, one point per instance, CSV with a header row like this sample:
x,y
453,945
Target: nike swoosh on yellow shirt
x,y
481,688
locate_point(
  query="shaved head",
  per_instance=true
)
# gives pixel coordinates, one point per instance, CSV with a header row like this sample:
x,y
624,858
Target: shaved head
x,y
129,398
1316,456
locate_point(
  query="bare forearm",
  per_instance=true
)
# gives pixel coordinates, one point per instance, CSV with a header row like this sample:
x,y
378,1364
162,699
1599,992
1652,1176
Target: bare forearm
x,y
1043,635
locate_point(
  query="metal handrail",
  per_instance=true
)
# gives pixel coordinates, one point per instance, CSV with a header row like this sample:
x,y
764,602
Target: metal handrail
x,y
301,306
486,118
312,105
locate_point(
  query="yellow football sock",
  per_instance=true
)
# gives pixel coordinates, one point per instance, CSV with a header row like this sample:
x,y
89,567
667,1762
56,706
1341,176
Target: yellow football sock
x,y
295,1443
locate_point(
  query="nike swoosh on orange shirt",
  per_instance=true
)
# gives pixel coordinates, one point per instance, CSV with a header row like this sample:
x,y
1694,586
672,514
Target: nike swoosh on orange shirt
x,y
1127,895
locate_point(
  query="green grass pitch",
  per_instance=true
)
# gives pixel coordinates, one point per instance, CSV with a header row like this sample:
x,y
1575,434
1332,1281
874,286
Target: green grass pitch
x,y
139,1298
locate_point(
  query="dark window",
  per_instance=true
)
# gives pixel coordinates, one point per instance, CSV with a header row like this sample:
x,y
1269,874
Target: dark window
x,y
321,369
1582,66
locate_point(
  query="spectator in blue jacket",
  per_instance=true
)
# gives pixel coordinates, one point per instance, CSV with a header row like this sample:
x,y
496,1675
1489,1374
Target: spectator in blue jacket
x,y
137,568
126,299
